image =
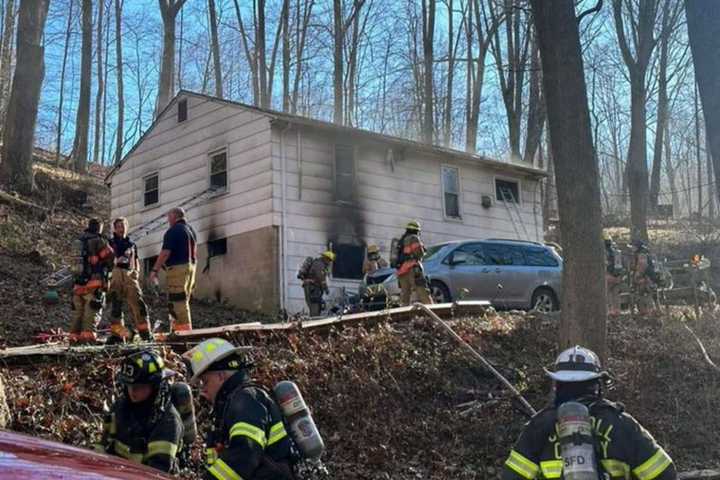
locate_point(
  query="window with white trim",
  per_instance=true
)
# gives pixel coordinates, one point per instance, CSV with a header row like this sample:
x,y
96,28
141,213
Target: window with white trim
x,y
344,173
451,191
151,190
218,170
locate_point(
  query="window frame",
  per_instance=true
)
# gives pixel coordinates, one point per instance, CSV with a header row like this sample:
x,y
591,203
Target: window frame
x,y
210,155
147,206
215,241
519,199
447,217
337,248
353,199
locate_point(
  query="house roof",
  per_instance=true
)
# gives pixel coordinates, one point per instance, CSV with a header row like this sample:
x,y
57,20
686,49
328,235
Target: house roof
x,y
282,117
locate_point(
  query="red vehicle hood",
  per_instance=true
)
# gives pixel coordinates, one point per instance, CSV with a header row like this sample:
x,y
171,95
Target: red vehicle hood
x,y
29,458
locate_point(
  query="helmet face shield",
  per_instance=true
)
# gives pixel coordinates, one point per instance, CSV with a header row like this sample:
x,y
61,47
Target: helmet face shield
x,y
576,364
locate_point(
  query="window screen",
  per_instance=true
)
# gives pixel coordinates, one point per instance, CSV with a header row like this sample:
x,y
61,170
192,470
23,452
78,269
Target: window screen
x,y
451,191
182,110
344,173
218,171
151,190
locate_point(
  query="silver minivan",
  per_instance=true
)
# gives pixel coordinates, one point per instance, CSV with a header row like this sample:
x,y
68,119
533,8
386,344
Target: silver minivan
x,y
508,273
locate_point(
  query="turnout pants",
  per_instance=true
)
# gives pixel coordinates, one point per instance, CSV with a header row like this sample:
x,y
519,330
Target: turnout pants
x,y
125,286
414,281
180,285
313,298
86,310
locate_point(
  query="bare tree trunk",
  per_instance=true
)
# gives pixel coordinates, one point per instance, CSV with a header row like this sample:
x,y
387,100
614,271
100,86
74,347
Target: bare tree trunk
x,y
215,49
119,139
82,120
58,141
285,20
703,23
447,124
671,174
302,23
100,84
428,29
181,41
169,10
711,183
697,154
338,61
536,108
17,151
583,302
6,54
662,114
644,43
250,56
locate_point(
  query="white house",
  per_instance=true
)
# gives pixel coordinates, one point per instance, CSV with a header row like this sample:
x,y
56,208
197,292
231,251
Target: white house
x,y
291,187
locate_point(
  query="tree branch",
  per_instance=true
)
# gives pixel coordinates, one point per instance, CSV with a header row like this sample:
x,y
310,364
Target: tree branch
x,y
595,9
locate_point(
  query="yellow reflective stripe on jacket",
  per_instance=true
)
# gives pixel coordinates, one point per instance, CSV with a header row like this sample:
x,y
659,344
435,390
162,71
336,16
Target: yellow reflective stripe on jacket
x,y
222,471
616,468
521,465
654,466
552,468
250,431
161,447
124,451
277,433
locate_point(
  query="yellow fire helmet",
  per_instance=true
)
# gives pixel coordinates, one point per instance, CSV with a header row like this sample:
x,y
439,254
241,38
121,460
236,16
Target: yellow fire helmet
x,y
329,255
373,249
413,225
208,352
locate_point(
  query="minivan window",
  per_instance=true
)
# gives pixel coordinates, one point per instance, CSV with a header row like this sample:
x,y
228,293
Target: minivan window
x,y
503,254
470,253
540,257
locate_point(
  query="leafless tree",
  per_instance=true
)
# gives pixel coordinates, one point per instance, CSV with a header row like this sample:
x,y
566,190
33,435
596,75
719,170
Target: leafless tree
x,y
217,67
6,54
17,151
61,100
100,83
583,302
428,30
82,120
169,10
119,136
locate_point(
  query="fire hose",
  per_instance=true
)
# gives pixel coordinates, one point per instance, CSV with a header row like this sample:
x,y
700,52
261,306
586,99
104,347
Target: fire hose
x,y
474,353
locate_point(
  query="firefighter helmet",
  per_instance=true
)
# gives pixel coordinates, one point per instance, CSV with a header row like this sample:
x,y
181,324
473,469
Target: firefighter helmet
x,y
373,249
213,354
576,364
607,237
413,225
143,368
329,255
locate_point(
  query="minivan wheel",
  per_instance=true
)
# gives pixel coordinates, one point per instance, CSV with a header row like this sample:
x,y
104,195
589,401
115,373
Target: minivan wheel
x,y
439,292
544,300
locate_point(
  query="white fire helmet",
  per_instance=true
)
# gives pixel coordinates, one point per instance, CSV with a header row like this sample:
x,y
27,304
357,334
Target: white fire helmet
x,y
206,353
576,364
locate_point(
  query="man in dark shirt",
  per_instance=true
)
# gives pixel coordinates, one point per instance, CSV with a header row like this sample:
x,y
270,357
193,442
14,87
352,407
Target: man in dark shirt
x,y
124,286
179,256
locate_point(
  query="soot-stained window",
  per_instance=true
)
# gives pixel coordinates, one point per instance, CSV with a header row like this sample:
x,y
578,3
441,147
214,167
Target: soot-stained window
x,y
348,262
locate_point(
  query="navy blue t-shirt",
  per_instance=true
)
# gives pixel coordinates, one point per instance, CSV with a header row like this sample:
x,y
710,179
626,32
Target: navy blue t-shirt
x,y
181,240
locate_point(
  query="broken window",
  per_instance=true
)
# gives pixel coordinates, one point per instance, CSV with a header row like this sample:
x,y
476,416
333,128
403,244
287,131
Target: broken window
x,y
151,190
218,171
182,110
451,191
507,190
344,173
217,247
348,262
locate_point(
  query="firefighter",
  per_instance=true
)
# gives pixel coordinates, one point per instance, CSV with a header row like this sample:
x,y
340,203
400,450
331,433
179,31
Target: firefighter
x,y
613,275
179,256
125,285
314,277
143,425
643,284
93,261
411,276
249,440
623,447
373,262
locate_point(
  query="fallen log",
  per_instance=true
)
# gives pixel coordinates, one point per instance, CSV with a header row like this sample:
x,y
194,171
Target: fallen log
x,y
5,197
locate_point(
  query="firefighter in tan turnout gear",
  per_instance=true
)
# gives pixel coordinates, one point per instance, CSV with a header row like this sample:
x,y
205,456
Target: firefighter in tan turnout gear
x,y
314,274
179,256
373,262
93,260
125,286
613,275
584,436
249,440
411,276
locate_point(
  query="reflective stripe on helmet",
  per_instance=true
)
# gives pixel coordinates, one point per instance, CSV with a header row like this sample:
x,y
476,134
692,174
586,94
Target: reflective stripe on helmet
x,y
521,465
654,466
250,431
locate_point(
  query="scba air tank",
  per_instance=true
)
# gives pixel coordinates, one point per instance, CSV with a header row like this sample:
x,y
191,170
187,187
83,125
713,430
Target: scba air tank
x,y
577,446
298,418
